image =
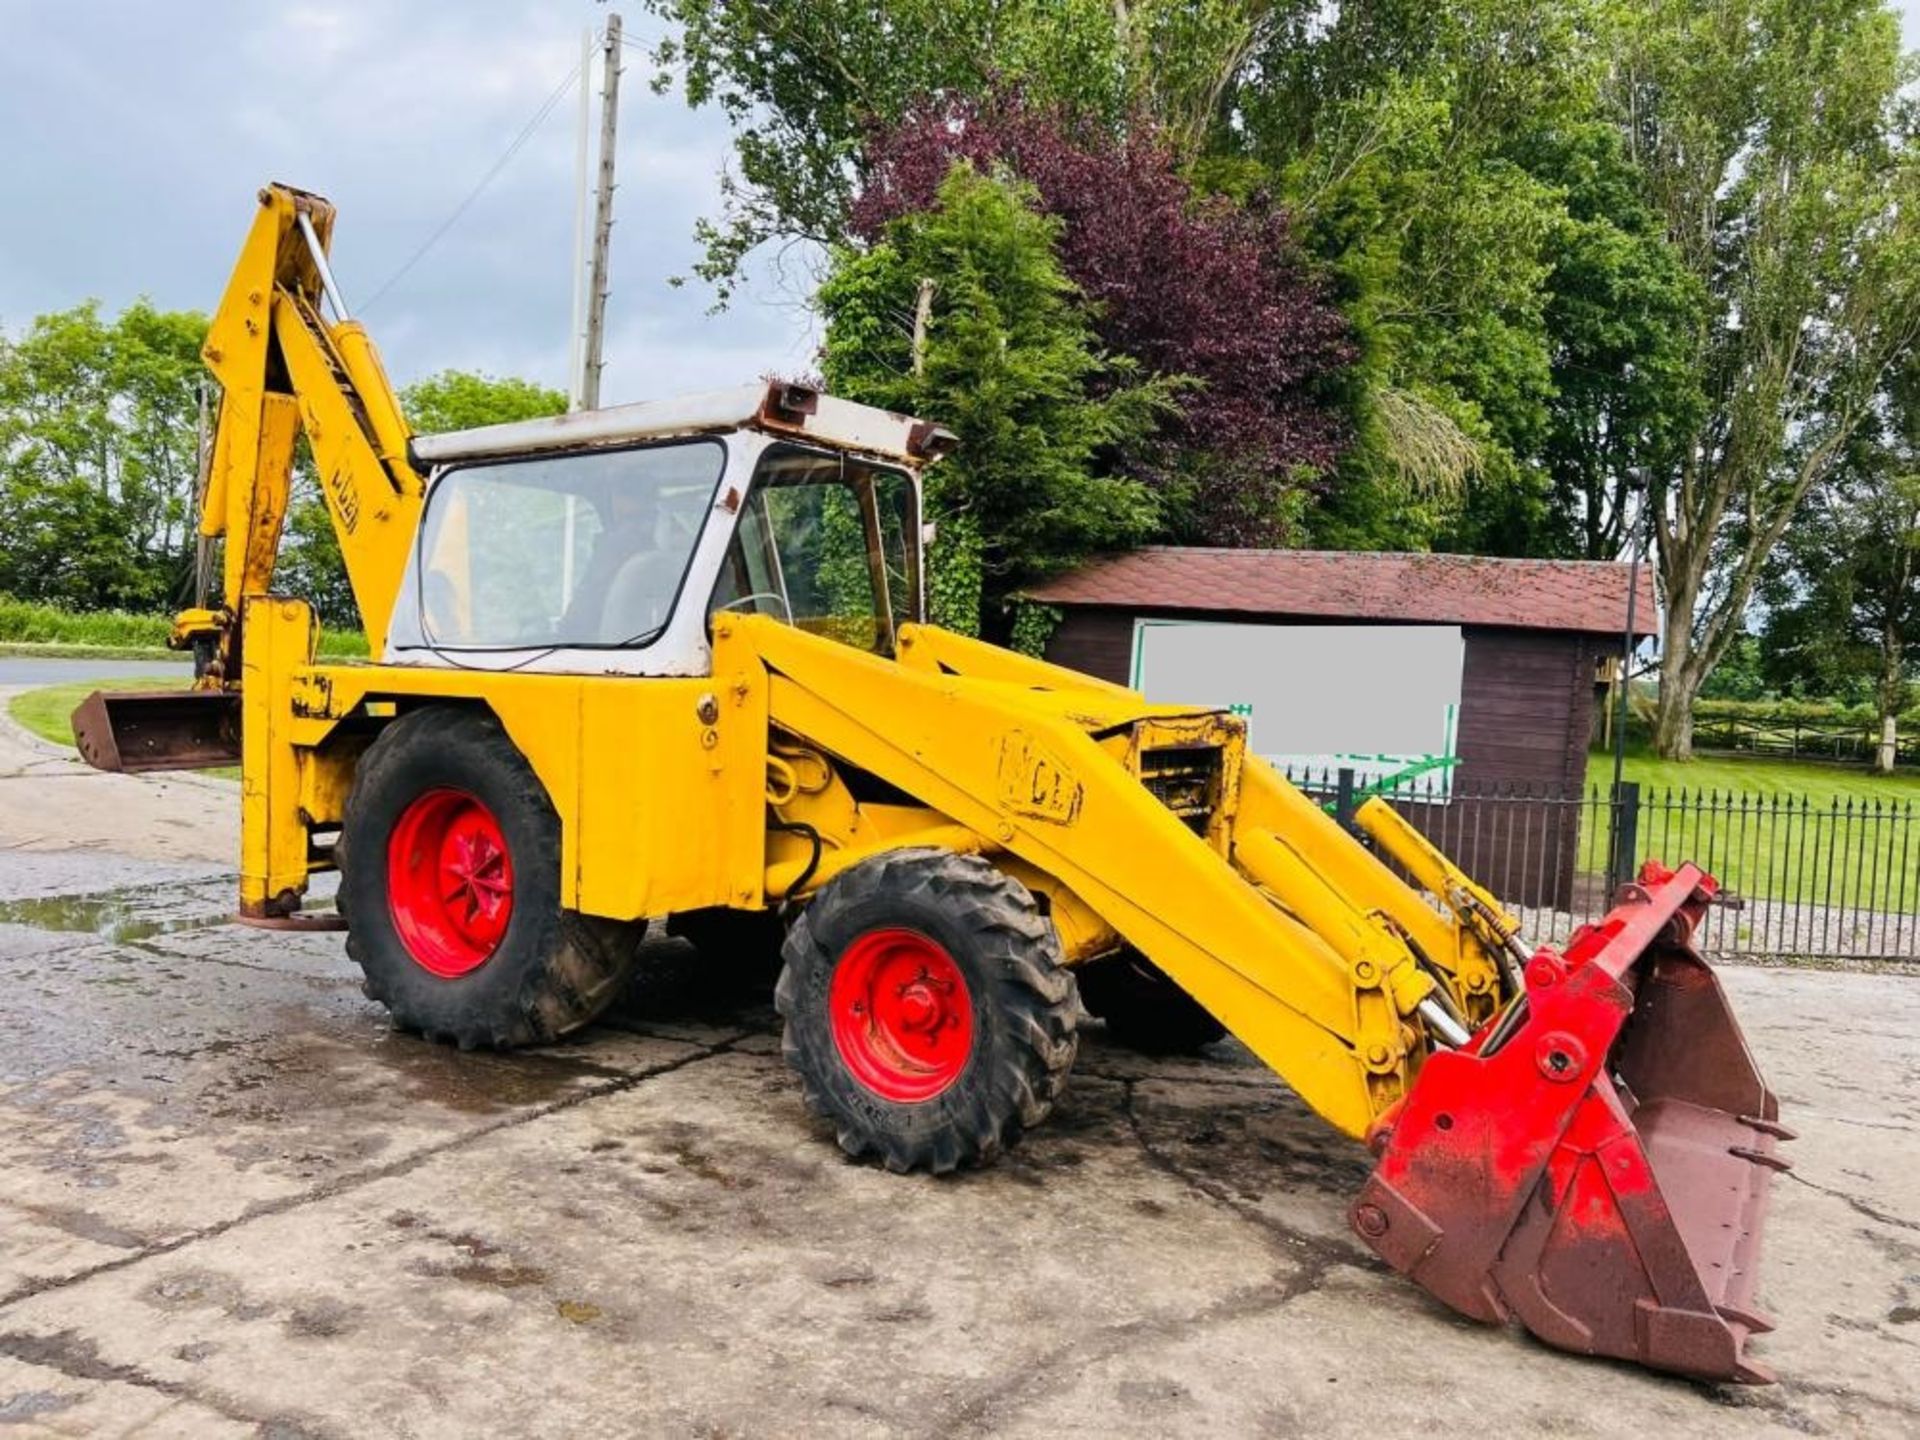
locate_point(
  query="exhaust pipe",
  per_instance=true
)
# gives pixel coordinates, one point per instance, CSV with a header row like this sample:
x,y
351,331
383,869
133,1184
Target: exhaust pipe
x,y
1597,1161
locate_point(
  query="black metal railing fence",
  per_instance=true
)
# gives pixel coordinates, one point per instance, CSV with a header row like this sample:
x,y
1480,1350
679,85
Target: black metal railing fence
x,y
1799,879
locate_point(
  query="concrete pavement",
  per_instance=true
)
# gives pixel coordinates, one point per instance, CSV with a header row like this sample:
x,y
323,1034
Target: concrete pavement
x,y
233,1202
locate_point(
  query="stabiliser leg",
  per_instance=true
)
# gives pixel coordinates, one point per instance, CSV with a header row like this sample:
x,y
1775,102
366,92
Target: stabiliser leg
x,y
1597,1161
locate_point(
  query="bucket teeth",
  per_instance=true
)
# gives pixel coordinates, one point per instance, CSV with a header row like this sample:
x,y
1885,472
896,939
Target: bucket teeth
x,y
1761,1157
1768,1127
1755,1322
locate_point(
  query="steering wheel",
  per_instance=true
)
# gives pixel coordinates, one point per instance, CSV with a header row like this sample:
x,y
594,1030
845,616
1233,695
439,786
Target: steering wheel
x,y
786,610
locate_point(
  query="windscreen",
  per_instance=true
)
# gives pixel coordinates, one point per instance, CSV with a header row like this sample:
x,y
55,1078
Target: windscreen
x,y
567,550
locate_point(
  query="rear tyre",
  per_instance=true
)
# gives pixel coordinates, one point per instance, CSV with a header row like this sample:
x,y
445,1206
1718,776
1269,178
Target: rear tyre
x,y
928,1012
1143,1008
449,859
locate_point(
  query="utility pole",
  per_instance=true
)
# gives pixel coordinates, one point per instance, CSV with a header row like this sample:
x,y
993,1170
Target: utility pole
x,y
591,361
577,314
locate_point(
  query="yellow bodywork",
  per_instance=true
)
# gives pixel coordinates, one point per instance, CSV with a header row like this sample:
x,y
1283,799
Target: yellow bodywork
x,y
1272,917
1148,824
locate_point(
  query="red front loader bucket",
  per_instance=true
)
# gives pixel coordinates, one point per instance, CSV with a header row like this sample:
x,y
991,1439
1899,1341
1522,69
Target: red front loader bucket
x,y
1597,1161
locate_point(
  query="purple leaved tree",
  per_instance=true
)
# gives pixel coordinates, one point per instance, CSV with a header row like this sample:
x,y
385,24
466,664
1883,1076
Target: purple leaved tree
x,y
1186,284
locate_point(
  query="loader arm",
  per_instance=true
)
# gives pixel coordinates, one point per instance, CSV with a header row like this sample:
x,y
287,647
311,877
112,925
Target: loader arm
x,y
1575,1138
1276,920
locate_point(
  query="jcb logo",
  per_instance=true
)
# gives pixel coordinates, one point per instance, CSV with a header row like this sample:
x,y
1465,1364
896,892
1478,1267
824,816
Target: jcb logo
x,y
1035,781
344,498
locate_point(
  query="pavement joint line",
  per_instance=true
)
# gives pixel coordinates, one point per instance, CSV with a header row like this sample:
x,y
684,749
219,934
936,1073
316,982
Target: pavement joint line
x,y
1321,1254
70,1354
1855,1201
1775,1400
183,957
50,773
986,1412
90,944
345,1184
1865,1124
1232,1082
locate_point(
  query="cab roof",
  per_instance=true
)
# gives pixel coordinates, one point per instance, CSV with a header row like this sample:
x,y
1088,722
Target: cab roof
x,y
775,406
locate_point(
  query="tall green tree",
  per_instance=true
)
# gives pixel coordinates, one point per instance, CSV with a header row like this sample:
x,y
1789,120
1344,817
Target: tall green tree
x,y
97,456
468,399
1414,144
1623,316
996,344
1773,139
1843,590
1390,128
804,85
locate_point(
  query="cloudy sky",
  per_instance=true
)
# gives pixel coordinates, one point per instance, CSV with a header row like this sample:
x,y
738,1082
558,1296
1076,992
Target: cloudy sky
x,y
133,135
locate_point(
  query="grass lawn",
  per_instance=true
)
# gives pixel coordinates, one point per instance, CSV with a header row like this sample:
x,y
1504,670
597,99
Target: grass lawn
x,y
45,711
1749,775
1786,829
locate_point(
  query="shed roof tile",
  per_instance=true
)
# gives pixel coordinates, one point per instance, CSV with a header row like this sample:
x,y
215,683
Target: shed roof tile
x,y
1586,596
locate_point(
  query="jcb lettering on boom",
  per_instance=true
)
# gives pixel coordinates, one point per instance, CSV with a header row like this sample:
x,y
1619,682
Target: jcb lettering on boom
x,y
668,661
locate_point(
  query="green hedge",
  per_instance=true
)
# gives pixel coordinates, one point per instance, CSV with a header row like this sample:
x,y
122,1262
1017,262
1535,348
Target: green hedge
x,y
1796,712
29,622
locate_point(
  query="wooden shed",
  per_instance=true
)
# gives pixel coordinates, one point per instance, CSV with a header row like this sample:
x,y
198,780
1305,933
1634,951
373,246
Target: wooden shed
x,y
1535,638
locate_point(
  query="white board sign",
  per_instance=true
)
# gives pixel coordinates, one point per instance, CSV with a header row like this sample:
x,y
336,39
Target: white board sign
x,y
1383,700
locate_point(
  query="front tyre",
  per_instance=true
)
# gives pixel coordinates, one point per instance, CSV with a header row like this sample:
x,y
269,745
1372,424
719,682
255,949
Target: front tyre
x,y
449,858
928,1012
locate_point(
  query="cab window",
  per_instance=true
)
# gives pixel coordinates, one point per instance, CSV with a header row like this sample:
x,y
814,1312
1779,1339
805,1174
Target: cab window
x,y
568,550
828,544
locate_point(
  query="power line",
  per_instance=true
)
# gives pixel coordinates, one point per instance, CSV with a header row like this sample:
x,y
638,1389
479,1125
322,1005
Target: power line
x,y
493,171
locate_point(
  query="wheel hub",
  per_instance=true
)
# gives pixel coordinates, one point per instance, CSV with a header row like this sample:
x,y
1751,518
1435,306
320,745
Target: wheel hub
x,y
902,1015
449,882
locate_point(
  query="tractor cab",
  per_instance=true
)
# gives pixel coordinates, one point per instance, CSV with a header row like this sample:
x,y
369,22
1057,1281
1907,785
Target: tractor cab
x,y
603,542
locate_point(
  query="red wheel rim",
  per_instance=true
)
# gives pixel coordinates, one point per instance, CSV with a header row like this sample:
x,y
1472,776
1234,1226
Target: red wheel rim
x,y
902,1016
449,882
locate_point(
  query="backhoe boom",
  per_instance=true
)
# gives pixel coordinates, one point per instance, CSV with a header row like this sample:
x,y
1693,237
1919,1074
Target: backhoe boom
x,y
283,368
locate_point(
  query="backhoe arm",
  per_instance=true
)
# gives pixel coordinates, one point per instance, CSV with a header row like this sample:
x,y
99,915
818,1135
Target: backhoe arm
x,y
282,367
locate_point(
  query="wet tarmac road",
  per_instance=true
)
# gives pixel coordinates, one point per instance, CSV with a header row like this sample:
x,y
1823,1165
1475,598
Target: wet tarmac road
x,y
235,1203
27,670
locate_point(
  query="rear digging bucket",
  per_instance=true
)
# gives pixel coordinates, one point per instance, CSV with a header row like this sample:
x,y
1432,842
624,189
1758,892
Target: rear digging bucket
x,y
143,730
1597,1161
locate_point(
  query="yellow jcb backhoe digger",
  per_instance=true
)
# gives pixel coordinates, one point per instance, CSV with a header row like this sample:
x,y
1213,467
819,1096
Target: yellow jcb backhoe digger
x,y
666,660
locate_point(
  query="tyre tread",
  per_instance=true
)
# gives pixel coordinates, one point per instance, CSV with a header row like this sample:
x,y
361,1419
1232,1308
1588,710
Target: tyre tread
x,y
1032,987
575,978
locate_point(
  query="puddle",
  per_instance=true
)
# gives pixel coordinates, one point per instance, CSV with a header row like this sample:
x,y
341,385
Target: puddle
x,y
131,913
118,915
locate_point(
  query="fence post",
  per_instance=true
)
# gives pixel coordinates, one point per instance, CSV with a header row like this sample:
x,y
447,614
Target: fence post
x,y
1343,798
1625,843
